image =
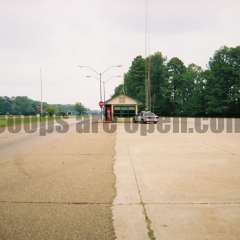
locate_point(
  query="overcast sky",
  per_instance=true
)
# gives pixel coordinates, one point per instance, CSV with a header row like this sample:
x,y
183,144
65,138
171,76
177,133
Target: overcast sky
x,y
60,34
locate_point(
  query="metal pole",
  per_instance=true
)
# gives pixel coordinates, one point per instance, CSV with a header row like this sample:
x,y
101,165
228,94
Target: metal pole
x,y
100,80
41,89
146,59
148,101
104,91
149,85
149,61
104,97
124,90
100,77
146,27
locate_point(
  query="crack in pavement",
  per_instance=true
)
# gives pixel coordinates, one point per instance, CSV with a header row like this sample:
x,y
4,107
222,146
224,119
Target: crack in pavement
x,y
147,219
56,203
120,204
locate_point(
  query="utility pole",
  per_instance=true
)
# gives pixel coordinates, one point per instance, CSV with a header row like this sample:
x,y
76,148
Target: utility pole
x,y
147,61
149,85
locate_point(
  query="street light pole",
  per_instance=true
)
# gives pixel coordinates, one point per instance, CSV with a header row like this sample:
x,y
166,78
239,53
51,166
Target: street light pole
x,y
104,84
100,74
104,92
100,78
41,93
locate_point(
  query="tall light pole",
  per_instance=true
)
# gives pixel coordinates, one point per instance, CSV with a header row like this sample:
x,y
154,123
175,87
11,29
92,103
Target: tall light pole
x,y
41,93
104,85
147,59
100,74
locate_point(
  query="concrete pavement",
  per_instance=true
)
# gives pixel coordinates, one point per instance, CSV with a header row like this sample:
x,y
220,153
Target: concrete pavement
x,y
57,187
120,185
177,186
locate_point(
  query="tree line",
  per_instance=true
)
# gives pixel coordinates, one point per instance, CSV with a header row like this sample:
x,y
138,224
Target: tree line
x,y
180,90
22,105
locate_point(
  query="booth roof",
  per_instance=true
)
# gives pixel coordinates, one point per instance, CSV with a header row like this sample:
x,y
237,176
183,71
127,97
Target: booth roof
x,y
122,95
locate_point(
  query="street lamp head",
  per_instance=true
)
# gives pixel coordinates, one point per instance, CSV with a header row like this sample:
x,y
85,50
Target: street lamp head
x,y
119,66
90,68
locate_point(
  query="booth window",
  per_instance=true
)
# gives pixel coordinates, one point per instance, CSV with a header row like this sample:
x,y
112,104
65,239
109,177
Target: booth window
x,y
124,111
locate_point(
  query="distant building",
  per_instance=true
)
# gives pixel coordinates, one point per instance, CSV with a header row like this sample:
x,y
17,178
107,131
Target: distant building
x,y
120,108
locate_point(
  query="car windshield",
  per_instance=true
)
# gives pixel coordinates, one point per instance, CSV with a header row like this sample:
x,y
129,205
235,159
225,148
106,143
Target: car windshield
x,y
149,114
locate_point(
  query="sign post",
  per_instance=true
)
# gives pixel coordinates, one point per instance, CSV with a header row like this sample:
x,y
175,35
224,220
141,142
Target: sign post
x,y
101,105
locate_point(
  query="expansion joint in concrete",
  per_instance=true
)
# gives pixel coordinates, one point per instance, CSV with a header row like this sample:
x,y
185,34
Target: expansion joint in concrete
x,y
148,221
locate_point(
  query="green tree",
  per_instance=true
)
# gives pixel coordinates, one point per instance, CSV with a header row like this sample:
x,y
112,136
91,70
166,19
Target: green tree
x,y
22,105
119,90
194,85
5,105
135,80
51,110
188,91
176,71
223,85
80,109
160,94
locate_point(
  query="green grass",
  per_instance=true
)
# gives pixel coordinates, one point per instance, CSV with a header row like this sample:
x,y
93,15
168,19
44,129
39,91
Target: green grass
x,y
3,122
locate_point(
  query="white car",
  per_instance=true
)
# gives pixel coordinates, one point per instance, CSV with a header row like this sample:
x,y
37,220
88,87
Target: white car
x,y
146,117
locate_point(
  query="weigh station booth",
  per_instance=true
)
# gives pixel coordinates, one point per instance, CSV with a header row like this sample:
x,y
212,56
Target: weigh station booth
x,y
120,108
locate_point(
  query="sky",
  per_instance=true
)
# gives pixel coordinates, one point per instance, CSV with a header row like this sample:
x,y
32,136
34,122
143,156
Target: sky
x,y
58,35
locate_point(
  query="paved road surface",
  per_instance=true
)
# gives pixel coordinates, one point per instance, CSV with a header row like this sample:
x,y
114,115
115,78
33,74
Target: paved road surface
x,y
57,187
177,186
102,186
